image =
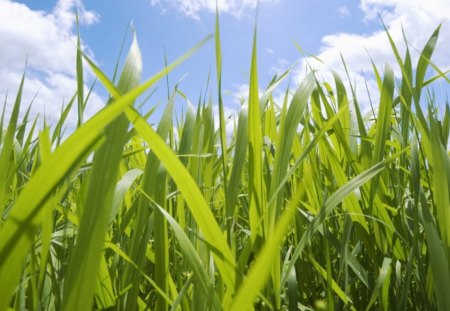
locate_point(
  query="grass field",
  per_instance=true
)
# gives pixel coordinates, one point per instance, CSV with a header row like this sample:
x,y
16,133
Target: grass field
x,y
310,204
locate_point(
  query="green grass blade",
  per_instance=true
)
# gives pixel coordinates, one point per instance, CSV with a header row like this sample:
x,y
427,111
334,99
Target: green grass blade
x,y
151,81
259,272
292,291
383,129
59,128
382,282
84,267
305,152
288,131
20,226
6,165
384,115
441,184
424,61
438,257
189,252
192,195
335,287
122,188
257,199
80,80
240,151
116,93
331,203
222,124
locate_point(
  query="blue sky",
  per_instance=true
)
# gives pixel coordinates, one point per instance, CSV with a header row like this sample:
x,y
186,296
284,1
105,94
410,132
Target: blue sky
x,y
45,31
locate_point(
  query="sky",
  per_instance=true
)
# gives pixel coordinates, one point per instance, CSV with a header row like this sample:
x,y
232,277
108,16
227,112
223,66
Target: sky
x,y
43,34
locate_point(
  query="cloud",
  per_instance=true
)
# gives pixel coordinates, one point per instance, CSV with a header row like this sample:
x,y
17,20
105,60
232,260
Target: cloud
x,y
281,66
231,115
192,8
47,41
418,19
239,94
343,12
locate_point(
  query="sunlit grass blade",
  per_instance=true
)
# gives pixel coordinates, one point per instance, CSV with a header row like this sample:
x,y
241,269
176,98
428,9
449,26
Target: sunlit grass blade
x,y
192,195
287,133
240,151
424,61
116,93
257,192
259,272
439,261
441,184
154,184
305,152
59,127
331,203
383,129
80,80
121,189
288,130
21,224
151,81
94,217
6,161
222,124
315,198
189,252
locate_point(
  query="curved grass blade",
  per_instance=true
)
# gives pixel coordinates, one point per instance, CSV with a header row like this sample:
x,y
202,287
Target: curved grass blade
x,y
335,287
438,257
122,188
331,203
111,88
6,165
259,272
23,221
192,195
84,265
190,254
382,283
288,130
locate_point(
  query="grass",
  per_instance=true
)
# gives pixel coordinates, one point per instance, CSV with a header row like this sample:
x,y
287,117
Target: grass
x,y
306,206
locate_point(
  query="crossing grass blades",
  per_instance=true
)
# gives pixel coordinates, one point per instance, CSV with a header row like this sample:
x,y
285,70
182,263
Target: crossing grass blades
x,y
309,204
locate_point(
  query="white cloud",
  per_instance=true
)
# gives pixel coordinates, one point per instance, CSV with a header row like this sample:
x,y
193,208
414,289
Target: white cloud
x,y
343,11
281,66
47,41
239,94
64,13
192,8
418,19
231,115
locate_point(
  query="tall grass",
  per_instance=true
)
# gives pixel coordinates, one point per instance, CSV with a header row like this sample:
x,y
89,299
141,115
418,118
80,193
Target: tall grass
x,y
307,205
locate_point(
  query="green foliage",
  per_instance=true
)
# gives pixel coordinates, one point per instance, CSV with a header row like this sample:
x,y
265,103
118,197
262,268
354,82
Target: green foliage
x,y
304,205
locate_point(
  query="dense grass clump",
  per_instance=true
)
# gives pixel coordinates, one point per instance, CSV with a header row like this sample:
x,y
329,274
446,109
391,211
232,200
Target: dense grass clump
x,y
306,206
